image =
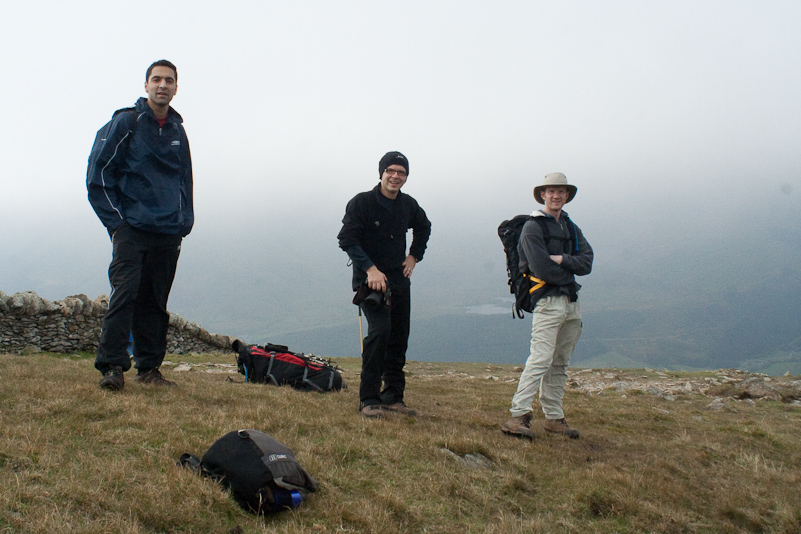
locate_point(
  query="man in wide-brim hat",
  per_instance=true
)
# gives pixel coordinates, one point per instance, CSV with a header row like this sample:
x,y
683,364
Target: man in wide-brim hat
x,y
555,179
554,250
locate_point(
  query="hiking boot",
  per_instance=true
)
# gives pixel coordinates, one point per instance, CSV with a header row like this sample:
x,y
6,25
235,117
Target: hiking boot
x,y
113,379
372,411
399,407
519,427
560,426
154,378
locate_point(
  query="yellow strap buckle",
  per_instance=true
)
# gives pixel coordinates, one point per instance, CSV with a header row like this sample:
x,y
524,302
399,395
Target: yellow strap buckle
x,y
536,283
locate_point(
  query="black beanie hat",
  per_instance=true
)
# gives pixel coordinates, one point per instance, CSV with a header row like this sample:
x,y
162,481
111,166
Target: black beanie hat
x,y
392,158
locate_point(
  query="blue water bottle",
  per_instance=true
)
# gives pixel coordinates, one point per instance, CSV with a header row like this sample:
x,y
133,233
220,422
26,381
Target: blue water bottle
x,y
278,499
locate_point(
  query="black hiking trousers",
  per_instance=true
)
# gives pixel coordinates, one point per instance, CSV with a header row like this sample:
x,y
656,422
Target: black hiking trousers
x,y
384,353
141,274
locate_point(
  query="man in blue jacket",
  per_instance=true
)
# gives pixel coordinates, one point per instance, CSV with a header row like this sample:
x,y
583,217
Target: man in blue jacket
x,y
556,321
140,185
374,236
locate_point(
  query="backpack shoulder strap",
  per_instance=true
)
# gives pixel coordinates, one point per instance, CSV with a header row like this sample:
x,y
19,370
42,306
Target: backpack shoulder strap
x,y
572,238
134,116
571,228
546,235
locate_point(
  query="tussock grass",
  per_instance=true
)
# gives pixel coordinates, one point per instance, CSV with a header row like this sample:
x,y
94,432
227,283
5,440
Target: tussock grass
x,y
74,458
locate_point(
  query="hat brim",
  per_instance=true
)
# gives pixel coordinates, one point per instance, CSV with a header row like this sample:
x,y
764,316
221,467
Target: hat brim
x,y
571,192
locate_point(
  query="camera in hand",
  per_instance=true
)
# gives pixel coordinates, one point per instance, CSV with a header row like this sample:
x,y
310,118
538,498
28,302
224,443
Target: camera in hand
x,y
377,298
371,298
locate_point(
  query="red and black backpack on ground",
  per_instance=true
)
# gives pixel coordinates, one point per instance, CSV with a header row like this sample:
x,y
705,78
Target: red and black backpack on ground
x,y
276,365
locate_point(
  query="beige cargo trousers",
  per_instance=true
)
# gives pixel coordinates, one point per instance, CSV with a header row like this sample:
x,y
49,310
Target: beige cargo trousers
x,y
555,330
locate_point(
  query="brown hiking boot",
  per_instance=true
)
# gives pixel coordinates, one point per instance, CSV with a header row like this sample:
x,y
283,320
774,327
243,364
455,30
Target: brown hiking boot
x,y
519,427
154,378
560,426
399,407
113,379
372,411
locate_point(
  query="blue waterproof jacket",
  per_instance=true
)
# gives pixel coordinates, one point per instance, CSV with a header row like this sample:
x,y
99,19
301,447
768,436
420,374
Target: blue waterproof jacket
x,y
141,174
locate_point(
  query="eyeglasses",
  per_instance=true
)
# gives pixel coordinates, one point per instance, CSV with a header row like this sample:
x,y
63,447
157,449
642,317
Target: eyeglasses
x,y
401,174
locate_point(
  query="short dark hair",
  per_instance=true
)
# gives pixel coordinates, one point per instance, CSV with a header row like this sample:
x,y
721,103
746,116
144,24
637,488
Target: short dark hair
x,y
161,63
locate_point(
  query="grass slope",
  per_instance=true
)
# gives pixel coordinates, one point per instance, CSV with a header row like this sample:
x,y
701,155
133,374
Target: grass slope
x,y
74,458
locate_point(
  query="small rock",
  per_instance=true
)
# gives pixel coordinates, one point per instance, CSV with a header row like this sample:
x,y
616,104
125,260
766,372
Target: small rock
x,y
477,460
470,459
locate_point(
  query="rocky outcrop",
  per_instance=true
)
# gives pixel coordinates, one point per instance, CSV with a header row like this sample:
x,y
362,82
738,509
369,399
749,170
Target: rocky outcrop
x,y
723,387
720,384
31,323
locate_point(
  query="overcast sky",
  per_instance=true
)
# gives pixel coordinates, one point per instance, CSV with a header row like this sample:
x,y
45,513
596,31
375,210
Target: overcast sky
x,y
652,109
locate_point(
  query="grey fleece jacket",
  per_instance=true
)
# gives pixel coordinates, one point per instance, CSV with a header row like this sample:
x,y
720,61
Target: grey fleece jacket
x,y
535,258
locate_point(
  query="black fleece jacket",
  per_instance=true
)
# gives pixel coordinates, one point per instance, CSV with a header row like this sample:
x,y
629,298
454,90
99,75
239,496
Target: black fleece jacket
x,y
374,233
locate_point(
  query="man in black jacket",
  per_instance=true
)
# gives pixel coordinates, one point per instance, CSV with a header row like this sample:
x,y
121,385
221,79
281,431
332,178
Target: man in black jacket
x,y
374,236
139,181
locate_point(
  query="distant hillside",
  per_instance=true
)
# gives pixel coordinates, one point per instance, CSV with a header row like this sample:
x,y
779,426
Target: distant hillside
x,y
701,290
742,330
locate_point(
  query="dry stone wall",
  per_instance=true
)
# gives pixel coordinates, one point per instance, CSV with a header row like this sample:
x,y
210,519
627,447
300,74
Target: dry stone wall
x,y
31,323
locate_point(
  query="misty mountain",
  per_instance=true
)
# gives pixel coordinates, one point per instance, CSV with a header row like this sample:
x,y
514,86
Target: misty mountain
x,y
702,289
703,294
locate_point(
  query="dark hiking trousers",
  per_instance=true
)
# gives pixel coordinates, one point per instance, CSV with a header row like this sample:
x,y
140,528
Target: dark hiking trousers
x,y
384,353
141,273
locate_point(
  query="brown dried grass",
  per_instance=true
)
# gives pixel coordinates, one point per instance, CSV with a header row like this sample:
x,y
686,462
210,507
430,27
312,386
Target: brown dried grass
x,y
74,458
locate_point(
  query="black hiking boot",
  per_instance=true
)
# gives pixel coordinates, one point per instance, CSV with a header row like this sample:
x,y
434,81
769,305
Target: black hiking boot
x,y
113,379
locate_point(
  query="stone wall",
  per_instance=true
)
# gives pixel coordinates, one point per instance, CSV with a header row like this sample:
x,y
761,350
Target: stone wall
x,y
31,323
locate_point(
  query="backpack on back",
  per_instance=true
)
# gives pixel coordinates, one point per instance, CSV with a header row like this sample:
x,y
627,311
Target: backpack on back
x,y
526,288
261,473
276,365
102,135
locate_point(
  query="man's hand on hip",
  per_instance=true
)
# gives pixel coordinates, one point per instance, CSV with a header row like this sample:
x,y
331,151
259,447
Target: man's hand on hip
x,y
408,265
